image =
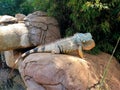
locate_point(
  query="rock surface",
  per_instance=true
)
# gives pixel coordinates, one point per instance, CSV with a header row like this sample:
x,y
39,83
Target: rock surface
x,y
42,28
20,17
10,57
6,19
14,83
14,36
36,29
43,71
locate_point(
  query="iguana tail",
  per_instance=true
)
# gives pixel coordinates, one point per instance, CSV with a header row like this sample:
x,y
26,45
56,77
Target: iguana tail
x,y
35,50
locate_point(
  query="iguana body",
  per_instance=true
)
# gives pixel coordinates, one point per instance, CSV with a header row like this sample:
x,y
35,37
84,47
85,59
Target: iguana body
x,y
77,42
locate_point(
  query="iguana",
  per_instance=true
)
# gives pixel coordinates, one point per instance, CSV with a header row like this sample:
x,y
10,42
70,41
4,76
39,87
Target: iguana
x,y
77,42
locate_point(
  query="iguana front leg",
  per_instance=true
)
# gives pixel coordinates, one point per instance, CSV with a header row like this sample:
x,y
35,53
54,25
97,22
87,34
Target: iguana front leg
x,y
80,52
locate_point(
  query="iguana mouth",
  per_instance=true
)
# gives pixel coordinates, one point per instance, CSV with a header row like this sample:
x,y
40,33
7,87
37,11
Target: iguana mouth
x,y
88,44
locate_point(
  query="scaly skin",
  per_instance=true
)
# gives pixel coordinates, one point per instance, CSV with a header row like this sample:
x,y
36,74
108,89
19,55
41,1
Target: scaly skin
x,y
77,42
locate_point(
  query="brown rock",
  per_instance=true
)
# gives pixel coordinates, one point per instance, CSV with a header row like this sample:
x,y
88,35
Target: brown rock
x,y
42,28
52,34
39,13
41,17
18,36
38,29
43,71
56,72
46,20
20,17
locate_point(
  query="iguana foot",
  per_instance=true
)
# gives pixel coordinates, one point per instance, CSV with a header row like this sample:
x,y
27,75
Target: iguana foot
x,y
80,52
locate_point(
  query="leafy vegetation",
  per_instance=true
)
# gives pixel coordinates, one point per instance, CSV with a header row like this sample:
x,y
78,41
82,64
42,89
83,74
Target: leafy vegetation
x,y
100,17
10,7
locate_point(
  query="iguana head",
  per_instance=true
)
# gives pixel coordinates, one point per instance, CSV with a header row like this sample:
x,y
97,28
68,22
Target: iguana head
x,y
85,40
88,45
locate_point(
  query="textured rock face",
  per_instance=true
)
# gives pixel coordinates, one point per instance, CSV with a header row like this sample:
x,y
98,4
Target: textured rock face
x,y
36,29
14,36
42,28
32,30
6,19
10,57
20,17
43,71
56,72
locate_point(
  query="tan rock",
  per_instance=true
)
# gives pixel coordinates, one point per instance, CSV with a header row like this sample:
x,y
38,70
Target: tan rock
x,y
20,17
44,71
33,33
56,72
6,19
14,36
18,36
10,57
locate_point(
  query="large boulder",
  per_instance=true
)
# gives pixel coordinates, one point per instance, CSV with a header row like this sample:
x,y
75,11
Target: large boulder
x,y
44,71
14,36
55,72
6,19
42,28
36,29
